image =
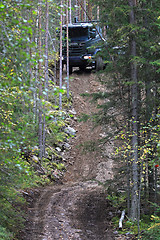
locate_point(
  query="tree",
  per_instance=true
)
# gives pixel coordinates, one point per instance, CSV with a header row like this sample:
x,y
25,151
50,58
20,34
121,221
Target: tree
x,y
22,86
40,125
67,43
70,11
132,34
60,55
134,96
46,72
16,119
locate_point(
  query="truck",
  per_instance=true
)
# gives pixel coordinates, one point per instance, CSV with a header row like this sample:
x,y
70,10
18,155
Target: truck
x,y
84,46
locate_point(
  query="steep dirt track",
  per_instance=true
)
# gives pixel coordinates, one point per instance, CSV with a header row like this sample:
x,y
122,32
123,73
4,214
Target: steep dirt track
x,y
89,164
78,211
78,208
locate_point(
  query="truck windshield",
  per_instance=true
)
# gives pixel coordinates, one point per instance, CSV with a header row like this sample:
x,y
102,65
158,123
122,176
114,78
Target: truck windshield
x,y
78,33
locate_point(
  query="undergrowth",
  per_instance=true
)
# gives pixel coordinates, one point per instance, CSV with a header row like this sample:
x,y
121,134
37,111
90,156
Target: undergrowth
x,y
149,225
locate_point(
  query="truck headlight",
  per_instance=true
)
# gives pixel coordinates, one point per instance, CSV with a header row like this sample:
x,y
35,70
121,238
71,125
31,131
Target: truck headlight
x,y
87,57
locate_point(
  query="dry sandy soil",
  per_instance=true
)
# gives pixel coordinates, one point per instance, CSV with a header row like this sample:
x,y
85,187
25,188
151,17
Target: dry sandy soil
x,y
77,209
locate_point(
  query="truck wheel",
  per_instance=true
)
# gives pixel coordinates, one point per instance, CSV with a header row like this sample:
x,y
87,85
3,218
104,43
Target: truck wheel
x,y
70,70
99,63
82,68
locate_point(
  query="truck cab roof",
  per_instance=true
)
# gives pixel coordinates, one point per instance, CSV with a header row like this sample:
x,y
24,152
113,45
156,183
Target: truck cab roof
x,y
79,24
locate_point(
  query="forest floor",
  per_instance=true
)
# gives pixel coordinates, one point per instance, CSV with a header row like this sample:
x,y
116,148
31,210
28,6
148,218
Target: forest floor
x,y
77,208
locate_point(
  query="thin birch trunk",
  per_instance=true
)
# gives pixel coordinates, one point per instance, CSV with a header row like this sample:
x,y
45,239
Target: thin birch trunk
x,y
89,10
149,110
98,13
76,11
139,197
46,73
46,48
79,11
82,12
121,219
70,11
85,8
60,68
129,158
35,94
30,64
40,127
128,185
156,188
67,41
134,194
30,52
54,58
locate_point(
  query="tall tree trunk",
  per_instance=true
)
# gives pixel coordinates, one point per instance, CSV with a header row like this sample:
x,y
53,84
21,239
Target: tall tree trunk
x,y
97,12
129,158
67,42
46,73
40,127
60,67
82,12
85,8
70,11
36,85
89,10
134,193
46,48
76,12
149,109
79,10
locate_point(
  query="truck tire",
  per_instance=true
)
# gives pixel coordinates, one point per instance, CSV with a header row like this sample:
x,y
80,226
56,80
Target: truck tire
x,y
99,63
82,68
70,70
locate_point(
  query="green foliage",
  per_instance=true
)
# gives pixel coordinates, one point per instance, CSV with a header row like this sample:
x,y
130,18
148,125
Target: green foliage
x,y
15,117
59,166
153,229
19,102
147,154
4,234
118,97
55,125
152,233
149,227
118,200
132,228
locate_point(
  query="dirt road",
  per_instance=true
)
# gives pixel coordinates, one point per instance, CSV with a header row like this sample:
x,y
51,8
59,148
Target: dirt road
x,y
78,208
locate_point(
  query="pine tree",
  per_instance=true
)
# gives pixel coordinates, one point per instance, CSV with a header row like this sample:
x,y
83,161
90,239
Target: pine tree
x,y
132,43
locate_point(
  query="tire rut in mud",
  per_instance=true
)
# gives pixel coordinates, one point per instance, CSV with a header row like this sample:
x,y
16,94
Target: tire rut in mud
x,y
78,212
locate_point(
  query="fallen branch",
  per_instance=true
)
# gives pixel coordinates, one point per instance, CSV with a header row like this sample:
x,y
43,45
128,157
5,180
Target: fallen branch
x,y
121,219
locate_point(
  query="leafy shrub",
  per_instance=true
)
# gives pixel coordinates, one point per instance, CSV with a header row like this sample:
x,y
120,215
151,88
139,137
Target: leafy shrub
x,y
4,234
153,232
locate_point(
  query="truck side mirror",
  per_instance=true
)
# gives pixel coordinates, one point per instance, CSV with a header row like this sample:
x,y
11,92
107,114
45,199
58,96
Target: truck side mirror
x,y
93,33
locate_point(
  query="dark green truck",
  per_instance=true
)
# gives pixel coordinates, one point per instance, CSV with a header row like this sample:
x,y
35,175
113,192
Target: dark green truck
x,y
84,46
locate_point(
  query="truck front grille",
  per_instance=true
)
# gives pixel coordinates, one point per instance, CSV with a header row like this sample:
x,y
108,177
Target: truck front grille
x,y
74,49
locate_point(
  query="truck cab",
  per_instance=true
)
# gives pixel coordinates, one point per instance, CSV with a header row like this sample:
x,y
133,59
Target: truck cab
x,y
84,44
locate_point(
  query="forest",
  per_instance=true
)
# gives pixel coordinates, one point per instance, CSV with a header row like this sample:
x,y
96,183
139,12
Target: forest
x,y
36,103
